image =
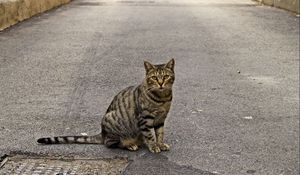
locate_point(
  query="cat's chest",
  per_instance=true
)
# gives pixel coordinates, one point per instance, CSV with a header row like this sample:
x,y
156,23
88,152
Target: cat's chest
x,y
158,110
160,113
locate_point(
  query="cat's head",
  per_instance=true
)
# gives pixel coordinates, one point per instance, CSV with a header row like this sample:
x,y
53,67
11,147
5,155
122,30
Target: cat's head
x,y
160,77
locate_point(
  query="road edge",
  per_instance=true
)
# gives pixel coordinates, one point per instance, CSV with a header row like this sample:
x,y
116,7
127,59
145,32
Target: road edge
x,y
15,11
289,5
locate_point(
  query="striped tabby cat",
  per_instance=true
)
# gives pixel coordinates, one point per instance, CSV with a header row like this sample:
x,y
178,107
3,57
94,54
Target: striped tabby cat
x,y
136,115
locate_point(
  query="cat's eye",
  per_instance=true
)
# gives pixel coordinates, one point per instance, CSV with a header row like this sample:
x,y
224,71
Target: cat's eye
x,y
166,76
153,78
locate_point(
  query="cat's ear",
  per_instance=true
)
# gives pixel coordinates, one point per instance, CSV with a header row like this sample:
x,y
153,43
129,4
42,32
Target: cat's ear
x,y
170,64
148,66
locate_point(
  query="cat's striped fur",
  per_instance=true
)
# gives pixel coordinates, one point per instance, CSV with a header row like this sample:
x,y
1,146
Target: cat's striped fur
x,y
136,115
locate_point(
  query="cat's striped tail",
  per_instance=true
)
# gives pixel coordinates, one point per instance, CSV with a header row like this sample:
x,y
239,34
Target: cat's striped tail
x,y
96,139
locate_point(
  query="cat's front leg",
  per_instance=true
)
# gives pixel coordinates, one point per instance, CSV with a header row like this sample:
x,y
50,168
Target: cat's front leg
x,y
148,132
159,132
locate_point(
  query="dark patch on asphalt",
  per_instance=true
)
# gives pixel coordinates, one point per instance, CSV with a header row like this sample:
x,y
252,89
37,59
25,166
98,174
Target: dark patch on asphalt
x,y
159,164
139,2
215,88
251,171
89,3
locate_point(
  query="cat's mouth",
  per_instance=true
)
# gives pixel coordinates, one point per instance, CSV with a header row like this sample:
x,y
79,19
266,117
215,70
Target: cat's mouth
x,y
162,91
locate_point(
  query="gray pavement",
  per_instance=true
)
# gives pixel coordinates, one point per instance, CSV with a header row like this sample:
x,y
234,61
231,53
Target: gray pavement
x,y
236,95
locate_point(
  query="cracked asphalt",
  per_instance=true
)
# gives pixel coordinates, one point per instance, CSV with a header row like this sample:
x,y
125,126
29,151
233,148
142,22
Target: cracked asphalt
x,y
236,95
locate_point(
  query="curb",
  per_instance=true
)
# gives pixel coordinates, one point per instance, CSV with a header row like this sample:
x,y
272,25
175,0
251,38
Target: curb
x,y
14,11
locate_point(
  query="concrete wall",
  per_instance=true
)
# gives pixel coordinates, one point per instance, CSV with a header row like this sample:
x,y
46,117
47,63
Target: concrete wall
x,y
13,11
291,5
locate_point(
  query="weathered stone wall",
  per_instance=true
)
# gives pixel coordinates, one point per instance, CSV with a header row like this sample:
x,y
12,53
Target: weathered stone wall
x,y
291,5
13,11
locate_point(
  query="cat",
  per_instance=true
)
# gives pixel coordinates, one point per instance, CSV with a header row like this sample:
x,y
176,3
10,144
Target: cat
x,y
136,115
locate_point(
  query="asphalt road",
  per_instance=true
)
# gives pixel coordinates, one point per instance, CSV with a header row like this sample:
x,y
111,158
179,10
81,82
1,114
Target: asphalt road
x,y
236,95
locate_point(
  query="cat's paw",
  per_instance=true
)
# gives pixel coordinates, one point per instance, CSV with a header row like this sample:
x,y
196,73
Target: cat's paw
x,y
132,147
164,147
154,149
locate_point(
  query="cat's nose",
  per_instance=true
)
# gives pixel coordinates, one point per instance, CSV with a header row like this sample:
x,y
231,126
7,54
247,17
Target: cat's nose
x,y
160,82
